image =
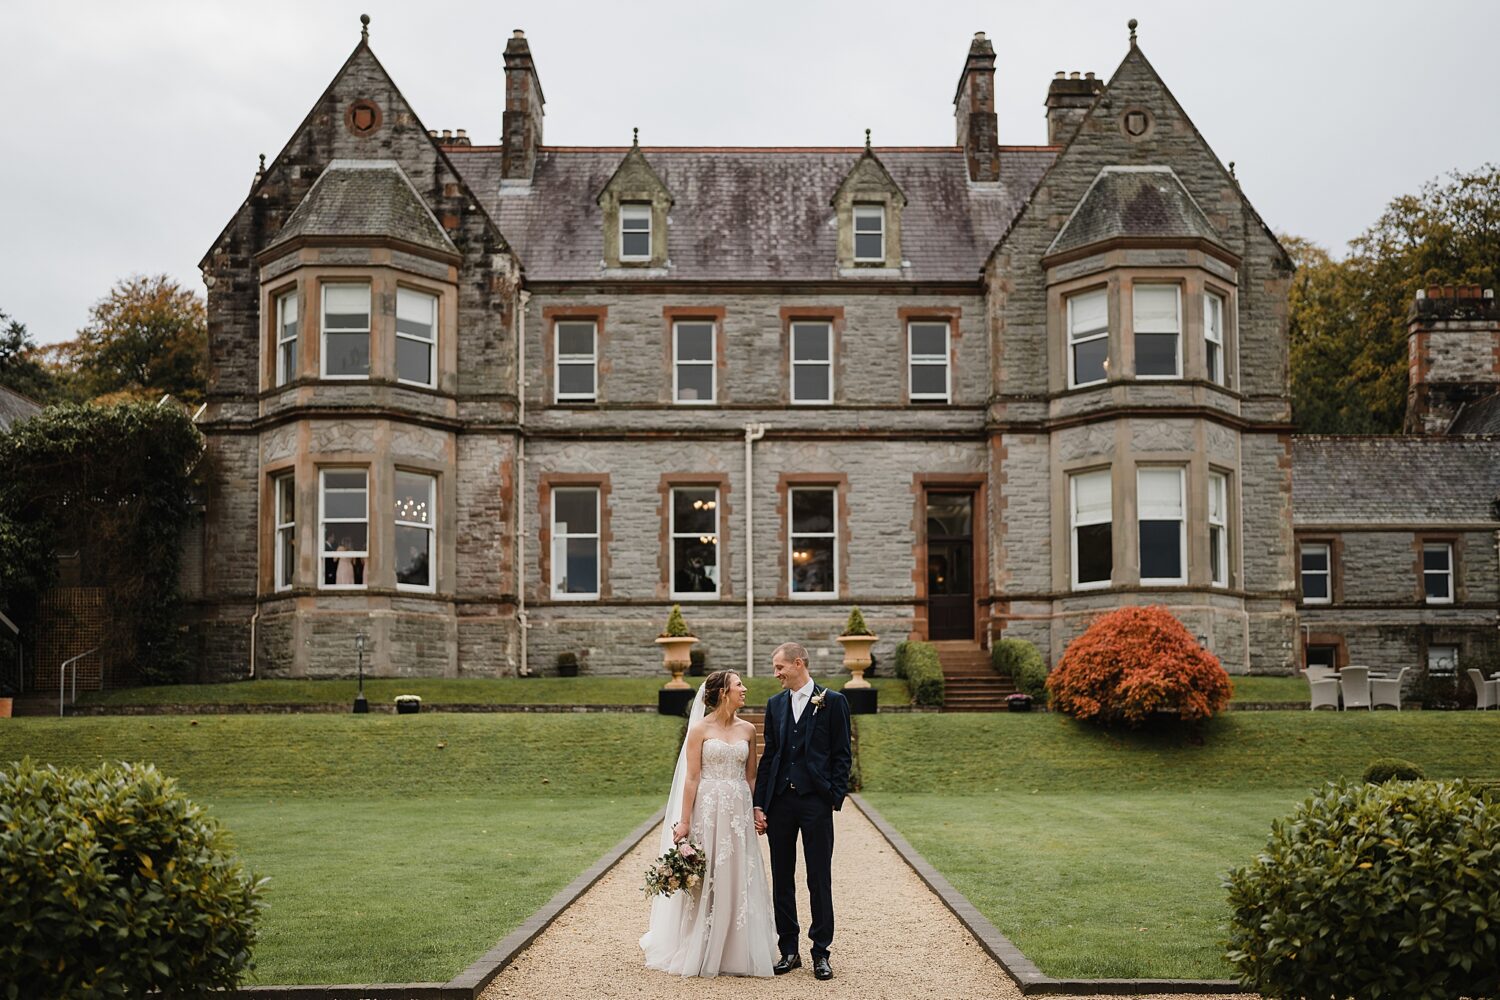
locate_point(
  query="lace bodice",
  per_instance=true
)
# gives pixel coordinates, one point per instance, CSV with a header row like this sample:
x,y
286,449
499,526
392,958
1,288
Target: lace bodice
x,y
723,761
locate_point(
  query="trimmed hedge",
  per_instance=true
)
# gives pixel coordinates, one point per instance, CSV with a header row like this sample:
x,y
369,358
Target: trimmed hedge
x,y
917,663
1021,662
1383,769
115,884
1373,891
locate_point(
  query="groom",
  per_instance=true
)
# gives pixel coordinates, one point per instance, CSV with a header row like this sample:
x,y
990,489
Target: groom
x,y
803,778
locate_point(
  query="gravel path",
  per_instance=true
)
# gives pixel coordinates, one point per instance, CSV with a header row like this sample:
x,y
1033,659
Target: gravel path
x,y
895,940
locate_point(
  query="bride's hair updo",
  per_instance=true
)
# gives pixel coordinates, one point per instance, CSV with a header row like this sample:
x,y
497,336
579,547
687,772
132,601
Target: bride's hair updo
x,y
714,687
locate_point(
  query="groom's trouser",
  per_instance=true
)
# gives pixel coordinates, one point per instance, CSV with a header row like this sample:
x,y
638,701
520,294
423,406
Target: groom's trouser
x,y
811,817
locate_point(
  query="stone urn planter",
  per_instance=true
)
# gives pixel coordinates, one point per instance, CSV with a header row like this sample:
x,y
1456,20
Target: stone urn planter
x,y
677,642
857,641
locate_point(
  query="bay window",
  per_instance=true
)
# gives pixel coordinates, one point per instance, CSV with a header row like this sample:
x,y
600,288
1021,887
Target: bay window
x,y
287,328
346,331
1092,515
344,526
1162,528
416,338
1088,338
1157,325
416,515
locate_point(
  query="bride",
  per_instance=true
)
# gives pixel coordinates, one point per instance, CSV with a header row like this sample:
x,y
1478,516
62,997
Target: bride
x,y
724,925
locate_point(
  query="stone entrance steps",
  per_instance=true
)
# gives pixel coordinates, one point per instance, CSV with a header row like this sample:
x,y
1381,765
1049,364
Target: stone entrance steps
x,y
970,679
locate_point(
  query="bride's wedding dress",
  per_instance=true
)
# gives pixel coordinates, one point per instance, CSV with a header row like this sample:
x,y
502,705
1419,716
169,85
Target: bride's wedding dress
x,y
724,927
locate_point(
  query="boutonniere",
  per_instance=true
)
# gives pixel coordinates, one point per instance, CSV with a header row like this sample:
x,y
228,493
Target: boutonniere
x,y
817,700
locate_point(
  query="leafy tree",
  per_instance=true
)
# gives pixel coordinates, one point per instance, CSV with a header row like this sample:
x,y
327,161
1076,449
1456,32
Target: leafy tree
x,y
1348,318
148,336
21,368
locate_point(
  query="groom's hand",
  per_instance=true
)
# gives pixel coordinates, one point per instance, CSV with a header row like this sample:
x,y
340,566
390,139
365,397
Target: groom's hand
x,y
760,820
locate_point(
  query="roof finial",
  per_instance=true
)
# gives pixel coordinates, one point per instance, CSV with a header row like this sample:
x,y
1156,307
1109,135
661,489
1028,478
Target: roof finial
x,y
1231,171
867,140
364,27
1132,26
635,137
262,164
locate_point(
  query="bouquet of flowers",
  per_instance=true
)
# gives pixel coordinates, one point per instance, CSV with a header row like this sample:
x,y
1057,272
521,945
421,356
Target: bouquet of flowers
x,y
680,868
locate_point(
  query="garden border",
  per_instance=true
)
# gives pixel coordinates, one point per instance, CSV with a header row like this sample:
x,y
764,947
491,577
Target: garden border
x,y
1029,978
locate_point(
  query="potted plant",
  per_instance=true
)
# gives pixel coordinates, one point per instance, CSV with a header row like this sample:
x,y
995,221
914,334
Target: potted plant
x,y
857,640
699,663
567,664
408,704
676,642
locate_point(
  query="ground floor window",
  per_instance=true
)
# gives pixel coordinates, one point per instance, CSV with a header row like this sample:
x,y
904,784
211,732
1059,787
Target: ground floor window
x,y
416,500
575,542
285,490
344,525
1159,495
814,541
1093,542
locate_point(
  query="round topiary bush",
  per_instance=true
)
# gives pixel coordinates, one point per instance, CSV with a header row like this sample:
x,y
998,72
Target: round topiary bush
x,y
1373,891
1136,664
1383,769
115,884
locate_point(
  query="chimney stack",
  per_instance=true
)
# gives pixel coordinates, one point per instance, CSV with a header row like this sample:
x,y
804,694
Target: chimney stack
x,y
1453,354
974,111
522,127
1068,101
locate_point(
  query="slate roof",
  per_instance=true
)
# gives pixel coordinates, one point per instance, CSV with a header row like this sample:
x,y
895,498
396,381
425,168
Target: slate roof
x,y
1134,201
1394,480
753,214
15,407
365,198
1479,417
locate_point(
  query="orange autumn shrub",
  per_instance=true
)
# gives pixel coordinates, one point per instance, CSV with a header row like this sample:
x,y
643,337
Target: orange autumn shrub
x,y
1136,663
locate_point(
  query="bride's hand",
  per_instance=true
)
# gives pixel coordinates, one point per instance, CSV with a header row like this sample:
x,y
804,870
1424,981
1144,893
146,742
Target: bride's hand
x,y
680,832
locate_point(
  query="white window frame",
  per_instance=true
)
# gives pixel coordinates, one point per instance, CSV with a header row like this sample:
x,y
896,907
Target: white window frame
x,y
867,211
712,364
1446,547
283,301
673,534
635,212
1142,514
795,364
1326,571
324,521
285,530
913,360
1135,330
560,539
591,359
1075,522
1076,337
431,344
791,544
323,330
1218,490
430,527
1214,308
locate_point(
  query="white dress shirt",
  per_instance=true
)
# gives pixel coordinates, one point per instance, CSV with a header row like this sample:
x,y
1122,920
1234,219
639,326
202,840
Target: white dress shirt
x,y
800,698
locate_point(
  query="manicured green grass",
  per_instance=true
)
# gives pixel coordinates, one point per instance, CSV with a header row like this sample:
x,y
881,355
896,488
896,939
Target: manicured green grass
x,y
1256,688
400,848
1099,854
451,691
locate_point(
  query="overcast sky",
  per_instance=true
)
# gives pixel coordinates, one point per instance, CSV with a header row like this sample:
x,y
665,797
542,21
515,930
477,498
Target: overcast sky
x,y
134,126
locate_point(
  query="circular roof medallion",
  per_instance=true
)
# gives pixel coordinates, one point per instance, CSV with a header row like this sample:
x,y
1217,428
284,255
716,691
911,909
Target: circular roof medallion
x,y
362,117
1136,122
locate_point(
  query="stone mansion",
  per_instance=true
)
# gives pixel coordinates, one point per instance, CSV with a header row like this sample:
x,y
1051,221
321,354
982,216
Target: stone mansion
x,y
490,404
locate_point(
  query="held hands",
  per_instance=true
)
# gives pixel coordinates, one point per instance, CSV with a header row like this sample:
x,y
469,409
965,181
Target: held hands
x,y
760,820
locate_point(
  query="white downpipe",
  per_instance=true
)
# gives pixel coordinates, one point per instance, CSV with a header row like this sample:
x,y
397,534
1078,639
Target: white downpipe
x,y
753,433
522,298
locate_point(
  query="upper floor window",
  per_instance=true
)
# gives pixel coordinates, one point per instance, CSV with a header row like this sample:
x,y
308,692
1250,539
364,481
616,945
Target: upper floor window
x,y
1218,528
1158,327
287,327
695,542
1092,518
1437,572
1163,530
812,362
635,231
1213,337
869,233
927,361
416,513
284,489
416,338
1317,573
344,526
813,539
694,361
1088,338
577,361
575,543
346,331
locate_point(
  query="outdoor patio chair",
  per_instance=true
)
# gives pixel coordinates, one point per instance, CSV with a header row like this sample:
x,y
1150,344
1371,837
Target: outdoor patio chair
x,y
1320,673
1354,683
1486,692
1325,690
1387,690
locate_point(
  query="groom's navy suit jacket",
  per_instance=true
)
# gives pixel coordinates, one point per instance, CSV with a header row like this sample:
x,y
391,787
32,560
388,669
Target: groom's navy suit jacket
x,y
823,755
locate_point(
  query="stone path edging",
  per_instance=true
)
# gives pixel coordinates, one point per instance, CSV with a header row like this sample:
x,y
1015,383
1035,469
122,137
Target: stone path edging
x,y
1027,976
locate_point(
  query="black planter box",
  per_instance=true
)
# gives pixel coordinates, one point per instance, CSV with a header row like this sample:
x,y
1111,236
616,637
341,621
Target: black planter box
x,y
1021,704
862,701
674,701
408,707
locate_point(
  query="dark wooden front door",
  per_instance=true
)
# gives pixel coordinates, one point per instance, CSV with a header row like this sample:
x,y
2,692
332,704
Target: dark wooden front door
x,y
950,566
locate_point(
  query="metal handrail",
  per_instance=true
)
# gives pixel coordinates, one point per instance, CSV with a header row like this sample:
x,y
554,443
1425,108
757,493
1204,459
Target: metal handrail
x,y
62,678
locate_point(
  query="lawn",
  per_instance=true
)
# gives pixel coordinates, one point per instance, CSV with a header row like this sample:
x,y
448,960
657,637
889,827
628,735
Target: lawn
x,y
1099,855
400,848
1261,688
451,691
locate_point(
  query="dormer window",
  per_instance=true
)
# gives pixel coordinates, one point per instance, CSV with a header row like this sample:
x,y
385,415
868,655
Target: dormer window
x,y
869,234
635,231
346,331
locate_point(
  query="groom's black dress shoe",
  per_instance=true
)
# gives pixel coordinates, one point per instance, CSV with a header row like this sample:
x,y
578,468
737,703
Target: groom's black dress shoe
x,y
787,963
821,969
